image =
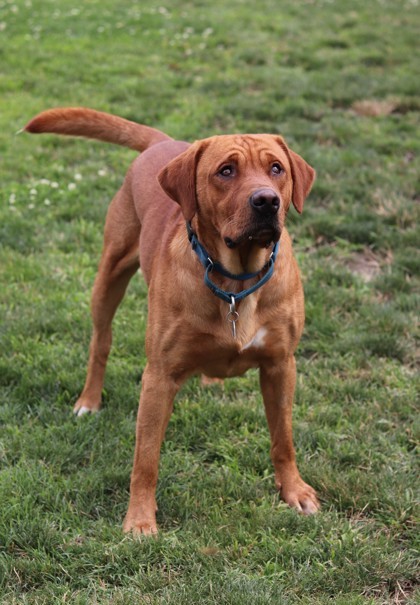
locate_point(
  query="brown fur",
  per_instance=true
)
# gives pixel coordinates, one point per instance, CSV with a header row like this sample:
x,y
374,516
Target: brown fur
x,y
187,331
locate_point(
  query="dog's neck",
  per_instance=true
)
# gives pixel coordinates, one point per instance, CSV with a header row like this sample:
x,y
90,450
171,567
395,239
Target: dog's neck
x,y
248,257
212,266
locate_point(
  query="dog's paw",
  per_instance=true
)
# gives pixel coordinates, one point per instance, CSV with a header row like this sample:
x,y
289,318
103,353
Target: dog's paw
x,y
301,496
140,528
82,407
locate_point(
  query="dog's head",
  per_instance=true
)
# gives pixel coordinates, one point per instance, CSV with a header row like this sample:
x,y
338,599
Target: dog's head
x,y
237,189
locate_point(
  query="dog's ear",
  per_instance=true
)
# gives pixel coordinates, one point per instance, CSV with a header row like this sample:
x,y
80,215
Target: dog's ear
x,y
303,176
178,179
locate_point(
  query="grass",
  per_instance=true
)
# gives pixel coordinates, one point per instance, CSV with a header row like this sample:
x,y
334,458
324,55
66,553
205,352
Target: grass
x,y
340,82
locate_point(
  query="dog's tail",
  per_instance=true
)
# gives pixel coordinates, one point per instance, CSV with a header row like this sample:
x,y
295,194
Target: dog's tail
x,y
83,122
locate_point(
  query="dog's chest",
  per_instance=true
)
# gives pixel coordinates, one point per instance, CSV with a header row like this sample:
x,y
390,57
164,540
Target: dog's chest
x,y
232,353
258,341
235,357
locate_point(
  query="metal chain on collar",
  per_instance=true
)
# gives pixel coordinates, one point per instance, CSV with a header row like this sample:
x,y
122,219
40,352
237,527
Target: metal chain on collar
x,y
233,316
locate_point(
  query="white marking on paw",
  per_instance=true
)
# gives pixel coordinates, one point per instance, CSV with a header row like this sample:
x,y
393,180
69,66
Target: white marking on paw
x,y
258,340
83,410
309,508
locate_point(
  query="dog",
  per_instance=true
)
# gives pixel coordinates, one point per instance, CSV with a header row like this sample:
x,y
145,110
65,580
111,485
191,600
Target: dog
x,y
205,221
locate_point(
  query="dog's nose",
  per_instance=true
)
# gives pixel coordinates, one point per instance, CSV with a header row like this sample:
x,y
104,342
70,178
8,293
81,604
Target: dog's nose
x,y
265,201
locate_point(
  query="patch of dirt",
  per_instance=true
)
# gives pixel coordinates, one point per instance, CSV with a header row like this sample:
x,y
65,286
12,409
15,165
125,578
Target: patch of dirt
x,y
383,107
367,264
374,108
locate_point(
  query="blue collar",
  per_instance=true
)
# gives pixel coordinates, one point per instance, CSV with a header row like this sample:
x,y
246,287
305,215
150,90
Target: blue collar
x,y
210,265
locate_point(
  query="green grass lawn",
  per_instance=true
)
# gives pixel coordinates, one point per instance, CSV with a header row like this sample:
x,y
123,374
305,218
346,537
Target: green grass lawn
x,y
340,81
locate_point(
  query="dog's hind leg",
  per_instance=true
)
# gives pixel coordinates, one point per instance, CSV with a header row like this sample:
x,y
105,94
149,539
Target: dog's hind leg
x,y
206,381
119,262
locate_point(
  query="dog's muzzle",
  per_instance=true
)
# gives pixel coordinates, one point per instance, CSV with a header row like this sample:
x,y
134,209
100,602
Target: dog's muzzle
x,y
263,226
265,203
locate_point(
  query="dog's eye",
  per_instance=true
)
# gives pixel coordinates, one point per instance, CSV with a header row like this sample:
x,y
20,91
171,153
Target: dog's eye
x,y
276,168
226,170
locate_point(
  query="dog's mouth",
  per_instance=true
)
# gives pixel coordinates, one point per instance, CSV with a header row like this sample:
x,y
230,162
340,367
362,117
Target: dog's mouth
x,y
261,236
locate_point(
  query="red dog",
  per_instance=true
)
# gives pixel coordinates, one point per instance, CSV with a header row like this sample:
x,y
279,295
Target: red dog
x,y
224,293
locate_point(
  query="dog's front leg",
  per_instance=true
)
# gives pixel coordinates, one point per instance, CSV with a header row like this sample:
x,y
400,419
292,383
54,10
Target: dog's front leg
x,y
278,385
156,404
